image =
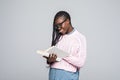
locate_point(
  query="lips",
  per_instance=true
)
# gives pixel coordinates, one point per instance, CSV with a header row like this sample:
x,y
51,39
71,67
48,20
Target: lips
x,y
62,32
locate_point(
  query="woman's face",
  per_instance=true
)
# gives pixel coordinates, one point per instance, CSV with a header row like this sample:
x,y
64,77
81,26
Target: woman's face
x,y
61,24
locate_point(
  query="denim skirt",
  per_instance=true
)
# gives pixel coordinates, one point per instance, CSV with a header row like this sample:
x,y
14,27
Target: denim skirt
x,y
59,74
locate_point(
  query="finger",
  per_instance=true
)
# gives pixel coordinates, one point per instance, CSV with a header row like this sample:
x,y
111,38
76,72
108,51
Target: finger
x,y
45,57
55,56
50,55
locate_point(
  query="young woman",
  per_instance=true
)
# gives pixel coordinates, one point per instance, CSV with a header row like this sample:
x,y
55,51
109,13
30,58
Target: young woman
x,y
68,39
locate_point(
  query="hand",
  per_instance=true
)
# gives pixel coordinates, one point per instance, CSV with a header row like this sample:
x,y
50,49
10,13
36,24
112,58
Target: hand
x,y
51,59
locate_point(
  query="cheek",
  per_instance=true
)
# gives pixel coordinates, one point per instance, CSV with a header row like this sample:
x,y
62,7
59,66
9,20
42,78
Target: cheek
x,y
64,27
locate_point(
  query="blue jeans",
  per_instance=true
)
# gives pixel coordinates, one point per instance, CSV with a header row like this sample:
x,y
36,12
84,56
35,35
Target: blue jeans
x,y
59,74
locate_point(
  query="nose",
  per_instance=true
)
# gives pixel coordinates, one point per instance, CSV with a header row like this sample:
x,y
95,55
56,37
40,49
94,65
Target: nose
x,y
59,28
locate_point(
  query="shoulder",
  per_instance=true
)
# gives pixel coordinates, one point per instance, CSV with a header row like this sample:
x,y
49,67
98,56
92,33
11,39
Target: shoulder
x,y
78,35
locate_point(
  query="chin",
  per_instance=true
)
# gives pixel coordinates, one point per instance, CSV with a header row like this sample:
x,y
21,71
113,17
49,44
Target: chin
x,y
61,33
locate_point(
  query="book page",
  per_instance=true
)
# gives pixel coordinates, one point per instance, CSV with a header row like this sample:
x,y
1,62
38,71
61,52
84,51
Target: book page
x,y
60,53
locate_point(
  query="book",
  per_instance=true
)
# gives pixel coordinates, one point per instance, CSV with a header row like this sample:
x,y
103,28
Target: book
x,y
60,53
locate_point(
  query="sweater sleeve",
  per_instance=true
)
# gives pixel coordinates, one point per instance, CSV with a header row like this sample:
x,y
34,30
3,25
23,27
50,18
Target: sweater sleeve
x,y
77,54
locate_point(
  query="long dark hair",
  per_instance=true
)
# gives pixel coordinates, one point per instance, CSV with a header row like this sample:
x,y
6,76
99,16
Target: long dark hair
x,y
56,35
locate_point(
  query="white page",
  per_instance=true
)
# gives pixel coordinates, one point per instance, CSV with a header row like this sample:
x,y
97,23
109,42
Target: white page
x,y
60,53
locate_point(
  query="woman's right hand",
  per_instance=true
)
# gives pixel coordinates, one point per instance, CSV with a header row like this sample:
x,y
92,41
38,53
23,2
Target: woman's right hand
x,y
51,59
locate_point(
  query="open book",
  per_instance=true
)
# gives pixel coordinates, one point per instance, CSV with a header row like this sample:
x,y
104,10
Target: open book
x,y
60,53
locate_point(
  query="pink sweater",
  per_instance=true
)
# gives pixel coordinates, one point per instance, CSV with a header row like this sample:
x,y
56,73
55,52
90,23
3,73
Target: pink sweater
x,y
73,43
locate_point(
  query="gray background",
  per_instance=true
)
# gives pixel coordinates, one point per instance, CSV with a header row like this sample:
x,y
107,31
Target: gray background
x,y
26,26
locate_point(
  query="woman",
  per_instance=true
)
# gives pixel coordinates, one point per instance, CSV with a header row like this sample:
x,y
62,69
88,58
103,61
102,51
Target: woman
x,y
68,39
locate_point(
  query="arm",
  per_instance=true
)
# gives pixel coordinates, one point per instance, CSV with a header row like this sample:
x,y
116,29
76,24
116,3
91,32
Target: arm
x,y
77,54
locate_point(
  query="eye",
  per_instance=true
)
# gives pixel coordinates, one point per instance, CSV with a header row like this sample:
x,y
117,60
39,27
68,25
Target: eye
x,y
59,25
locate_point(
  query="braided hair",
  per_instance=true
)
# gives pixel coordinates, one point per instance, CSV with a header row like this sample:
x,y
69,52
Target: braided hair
x,y
56,35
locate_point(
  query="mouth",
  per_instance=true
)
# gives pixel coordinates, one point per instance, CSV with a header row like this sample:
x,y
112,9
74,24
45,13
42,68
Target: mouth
x,y
62,32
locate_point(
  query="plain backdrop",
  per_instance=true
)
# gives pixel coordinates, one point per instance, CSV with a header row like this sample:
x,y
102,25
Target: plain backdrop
x,y
26,26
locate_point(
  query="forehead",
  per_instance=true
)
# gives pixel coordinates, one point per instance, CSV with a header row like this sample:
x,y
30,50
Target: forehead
x,y
59,20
